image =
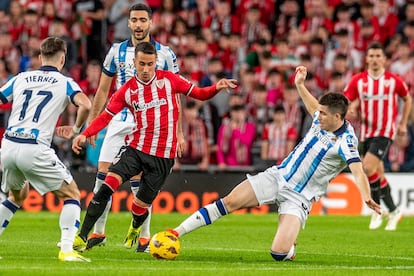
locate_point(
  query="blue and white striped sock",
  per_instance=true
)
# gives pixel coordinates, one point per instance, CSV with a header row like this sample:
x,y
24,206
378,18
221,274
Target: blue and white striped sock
x,y
7,210
204,216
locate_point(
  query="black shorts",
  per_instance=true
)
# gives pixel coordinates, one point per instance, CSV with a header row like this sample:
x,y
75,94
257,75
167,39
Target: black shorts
x,y
378,146
130,162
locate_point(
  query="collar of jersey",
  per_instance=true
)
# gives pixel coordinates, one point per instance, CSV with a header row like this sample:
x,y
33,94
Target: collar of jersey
x,y
48,68
340,130
145,83
132,45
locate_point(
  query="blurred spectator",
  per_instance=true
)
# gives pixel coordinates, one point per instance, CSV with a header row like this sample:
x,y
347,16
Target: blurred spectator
x,y
274,86
35,61
337,82
354,57
59,28
196,148
295,112
215,71
288,16
266,7
353,7
344,21
388,21
189,66
316,16
221,21
252,28
89,84
235,139
48,14
118,16
409,16
9,53
259,111
196,12
400,156
15,20
207,112
284,61
368,33
90,15
403,63
162,20
278,137
30,26
178,38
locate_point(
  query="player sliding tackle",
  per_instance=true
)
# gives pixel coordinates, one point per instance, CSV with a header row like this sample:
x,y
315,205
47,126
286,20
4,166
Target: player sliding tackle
x,y
301,179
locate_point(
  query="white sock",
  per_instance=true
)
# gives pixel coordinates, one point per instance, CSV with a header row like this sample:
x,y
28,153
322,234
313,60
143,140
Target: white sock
x,y
145,229
204,216
7,210
101,222
69,223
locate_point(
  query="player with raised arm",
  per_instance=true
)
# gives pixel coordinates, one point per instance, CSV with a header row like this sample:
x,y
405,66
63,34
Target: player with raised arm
x,y
302,177
38,98
151,96
119,64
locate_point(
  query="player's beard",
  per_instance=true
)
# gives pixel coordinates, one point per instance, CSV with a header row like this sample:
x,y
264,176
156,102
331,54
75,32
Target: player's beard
x,y
141,37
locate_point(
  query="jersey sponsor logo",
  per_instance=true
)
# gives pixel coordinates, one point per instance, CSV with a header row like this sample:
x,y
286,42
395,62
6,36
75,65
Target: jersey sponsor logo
x,y
375,97
143,106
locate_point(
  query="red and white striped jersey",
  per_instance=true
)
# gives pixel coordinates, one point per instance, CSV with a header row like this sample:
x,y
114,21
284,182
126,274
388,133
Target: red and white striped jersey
x,y
155,109
277,138
378,98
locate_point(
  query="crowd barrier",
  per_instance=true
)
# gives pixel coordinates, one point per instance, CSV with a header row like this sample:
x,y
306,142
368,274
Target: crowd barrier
x,y
188,190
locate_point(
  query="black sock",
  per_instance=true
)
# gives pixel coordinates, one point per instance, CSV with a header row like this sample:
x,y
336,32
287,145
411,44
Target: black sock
x,y
95,209
387,198
375,190
139,220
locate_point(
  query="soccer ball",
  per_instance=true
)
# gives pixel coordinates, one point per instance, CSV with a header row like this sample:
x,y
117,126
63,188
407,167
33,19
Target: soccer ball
x,y
164,245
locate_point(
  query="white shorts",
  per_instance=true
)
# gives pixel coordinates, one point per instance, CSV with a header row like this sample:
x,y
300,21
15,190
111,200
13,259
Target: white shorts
x,y
270,187
114,139
37,164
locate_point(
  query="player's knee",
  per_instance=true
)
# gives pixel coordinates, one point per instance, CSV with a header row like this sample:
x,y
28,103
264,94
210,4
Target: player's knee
x,y
103,195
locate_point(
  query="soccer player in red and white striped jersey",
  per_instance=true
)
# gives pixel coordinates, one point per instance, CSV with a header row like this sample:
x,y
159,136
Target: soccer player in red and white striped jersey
x,y
152,145
374,94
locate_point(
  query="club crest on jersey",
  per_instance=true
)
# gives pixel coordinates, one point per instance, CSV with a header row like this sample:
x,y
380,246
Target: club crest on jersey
x,y
122,65
160,83
387,83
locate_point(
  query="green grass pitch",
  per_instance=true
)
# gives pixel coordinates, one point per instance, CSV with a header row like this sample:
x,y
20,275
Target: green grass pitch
x,y
235,245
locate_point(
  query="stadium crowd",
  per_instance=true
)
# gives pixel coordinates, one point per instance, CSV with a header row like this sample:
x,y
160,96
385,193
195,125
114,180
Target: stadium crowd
x,y
258,42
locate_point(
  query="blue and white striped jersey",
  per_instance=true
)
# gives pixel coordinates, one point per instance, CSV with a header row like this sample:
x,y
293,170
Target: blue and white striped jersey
x,y
119,61
318,158
39,97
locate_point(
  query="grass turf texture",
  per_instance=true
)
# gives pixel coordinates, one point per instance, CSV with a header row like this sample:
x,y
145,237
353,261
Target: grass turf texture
x,y
234,245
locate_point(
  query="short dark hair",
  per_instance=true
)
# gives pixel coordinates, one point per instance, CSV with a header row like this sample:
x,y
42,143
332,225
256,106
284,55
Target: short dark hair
x,y
145,47
376,46
336,103
51,46
279,109
141,7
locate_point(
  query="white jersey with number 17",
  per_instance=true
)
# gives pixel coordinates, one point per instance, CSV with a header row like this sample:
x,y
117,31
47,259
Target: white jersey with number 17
x,y
39,97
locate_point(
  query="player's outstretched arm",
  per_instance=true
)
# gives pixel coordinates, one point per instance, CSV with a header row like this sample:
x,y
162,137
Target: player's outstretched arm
x,y
363,184
308,99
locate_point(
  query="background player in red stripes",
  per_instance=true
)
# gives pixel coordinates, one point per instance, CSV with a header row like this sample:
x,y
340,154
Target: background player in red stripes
x,y
374,94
